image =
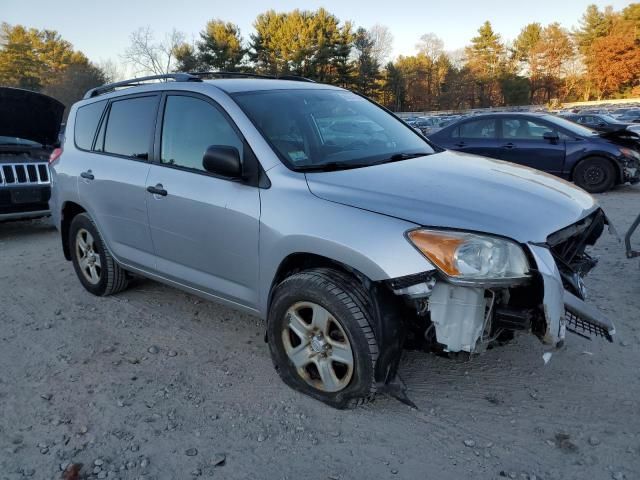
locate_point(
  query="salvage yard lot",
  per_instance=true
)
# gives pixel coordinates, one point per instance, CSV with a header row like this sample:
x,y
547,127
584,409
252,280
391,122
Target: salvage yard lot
x,y
155,383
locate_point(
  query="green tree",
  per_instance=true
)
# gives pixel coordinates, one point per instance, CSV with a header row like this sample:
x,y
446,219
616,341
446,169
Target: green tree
x,y
515,89
31,58
341,65
486,61
220,48
394,86
593,24
529,36
308,43
187,59
366,66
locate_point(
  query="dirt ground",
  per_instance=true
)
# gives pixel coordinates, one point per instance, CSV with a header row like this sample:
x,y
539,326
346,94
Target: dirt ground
x,y
157,384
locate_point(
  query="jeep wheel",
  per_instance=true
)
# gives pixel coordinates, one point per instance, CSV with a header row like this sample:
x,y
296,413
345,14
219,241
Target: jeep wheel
x,y
96,269
321,339
595,175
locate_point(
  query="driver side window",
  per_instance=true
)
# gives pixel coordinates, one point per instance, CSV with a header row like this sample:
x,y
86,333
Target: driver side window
x,y
189,126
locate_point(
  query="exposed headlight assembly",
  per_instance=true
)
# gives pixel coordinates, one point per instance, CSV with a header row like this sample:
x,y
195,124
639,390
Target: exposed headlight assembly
x,y
471,258
629,153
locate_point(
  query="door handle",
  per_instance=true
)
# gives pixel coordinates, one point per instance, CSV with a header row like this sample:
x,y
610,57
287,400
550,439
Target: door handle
x,y
157,190
460,144
88,175
509,145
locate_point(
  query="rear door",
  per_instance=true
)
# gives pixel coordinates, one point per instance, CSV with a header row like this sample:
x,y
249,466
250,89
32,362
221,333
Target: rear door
x,y
478,136
522,141
204,228
114,172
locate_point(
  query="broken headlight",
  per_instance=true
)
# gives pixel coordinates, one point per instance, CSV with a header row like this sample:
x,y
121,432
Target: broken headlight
x,y
469,257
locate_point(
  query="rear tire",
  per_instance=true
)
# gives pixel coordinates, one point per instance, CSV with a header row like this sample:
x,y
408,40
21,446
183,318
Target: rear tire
x,y
96,268
320,337
595,175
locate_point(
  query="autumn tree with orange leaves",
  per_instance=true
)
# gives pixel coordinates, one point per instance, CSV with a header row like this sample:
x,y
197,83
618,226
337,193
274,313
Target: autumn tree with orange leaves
x,y
613,63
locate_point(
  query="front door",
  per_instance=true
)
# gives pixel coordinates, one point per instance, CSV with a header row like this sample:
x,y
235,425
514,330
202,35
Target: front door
x,y
523,142
204,228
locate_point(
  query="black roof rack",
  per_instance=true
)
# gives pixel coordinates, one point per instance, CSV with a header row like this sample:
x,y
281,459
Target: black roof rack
x,y
186,77
222,74
109,87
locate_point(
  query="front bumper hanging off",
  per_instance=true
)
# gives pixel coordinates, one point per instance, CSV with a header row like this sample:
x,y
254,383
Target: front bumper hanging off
x,y
586,320
564,311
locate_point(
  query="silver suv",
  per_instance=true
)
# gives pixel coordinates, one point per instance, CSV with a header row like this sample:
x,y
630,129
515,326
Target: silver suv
x,y
324,214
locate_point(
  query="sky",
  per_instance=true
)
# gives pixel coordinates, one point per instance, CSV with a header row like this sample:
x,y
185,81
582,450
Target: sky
x,y
101,29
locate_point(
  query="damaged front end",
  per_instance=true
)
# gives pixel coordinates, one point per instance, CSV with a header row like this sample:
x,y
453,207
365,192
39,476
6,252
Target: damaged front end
x,y
468,314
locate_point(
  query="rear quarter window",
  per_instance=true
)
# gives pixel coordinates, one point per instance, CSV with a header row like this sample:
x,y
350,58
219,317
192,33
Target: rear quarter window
x,y
87,119
129,127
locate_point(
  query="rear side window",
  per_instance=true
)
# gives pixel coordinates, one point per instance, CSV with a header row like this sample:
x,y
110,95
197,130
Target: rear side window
x,y
485,128
87,119
129,127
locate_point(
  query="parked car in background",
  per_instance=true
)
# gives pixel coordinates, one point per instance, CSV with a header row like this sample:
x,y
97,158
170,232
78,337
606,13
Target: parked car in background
x,y
595,162
632,116
29,125
600,122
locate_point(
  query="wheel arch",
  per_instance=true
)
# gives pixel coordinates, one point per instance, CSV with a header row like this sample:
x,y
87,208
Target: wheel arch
x,y
298,261
614,162
68,212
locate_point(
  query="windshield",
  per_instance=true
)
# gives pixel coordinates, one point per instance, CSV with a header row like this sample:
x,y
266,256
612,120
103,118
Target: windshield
x,y
315,128
16,141
573,127
608,118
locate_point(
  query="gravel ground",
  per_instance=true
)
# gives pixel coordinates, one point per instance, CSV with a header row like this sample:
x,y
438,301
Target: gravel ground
x,y
157,384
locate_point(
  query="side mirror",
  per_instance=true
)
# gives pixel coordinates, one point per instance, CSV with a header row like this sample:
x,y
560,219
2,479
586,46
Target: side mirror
x,y
550,136
222,160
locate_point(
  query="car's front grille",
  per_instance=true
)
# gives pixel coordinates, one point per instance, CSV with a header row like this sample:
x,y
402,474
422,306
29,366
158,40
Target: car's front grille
x,y
19,174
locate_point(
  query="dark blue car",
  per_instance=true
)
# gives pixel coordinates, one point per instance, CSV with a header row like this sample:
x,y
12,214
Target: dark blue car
x,y
594,161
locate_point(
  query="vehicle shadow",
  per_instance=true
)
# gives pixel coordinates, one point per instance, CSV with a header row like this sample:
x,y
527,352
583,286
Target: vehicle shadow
x,y
25,228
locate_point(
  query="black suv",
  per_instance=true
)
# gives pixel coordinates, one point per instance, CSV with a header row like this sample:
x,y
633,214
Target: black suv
x,y
29,126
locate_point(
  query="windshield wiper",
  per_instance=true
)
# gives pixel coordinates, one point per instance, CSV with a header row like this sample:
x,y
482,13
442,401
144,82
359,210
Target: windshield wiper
x,y
398,157
333,166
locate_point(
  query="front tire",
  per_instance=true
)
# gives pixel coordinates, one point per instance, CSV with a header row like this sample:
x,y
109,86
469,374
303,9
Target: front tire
x,y
595,175
95,267
320,337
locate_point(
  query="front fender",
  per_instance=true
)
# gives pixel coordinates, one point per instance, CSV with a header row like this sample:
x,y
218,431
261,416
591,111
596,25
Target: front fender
x,y
371,243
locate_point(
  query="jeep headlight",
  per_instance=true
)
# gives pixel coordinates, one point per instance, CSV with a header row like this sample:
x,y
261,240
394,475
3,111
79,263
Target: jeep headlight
x,y
469,257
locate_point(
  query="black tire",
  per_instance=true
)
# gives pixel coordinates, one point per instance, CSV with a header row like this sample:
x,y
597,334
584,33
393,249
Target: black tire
x,y
349,304
595,175
112,278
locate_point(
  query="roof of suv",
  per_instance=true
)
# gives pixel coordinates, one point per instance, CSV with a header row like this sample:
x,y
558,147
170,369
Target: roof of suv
x,y
234,85
182,80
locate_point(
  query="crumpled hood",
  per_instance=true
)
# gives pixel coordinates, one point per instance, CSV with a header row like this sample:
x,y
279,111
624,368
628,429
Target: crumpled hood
x,y
461,191
622,136
29,115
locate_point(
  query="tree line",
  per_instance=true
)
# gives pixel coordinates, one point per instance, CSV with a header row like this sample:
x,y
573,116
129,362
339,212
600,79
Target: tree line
x,y
544,64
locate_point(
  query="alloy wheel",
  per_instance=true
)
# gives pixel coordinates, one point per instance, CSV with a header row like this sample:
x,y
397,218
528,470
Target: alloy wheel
x,y
88,257
317,345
